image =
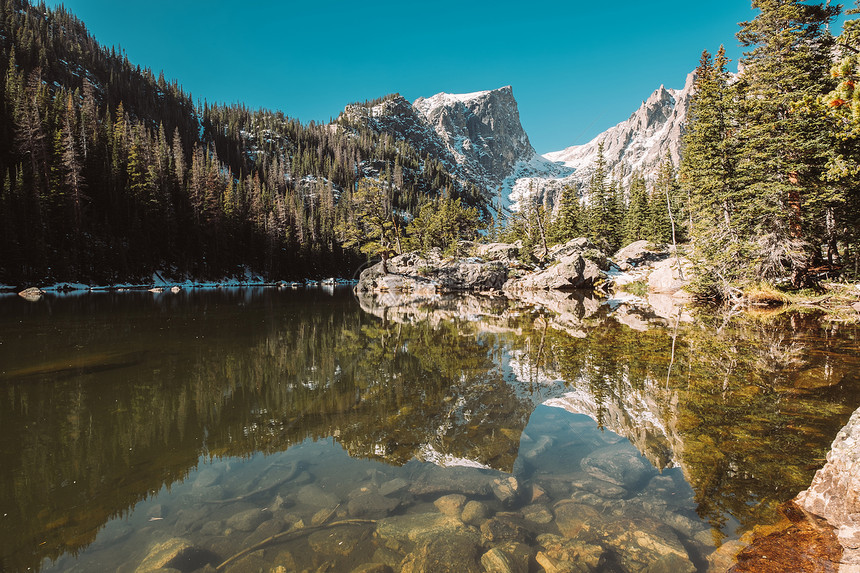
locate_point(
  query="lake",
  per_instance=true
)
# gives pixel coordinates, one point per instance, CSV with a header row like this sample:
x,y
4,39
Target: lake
x,y
307,430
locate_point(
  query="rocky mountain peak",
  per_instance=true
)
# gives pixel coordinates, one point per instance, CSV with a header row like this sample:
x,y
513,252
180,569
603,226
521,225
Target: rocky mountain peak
x,y
639,143
481,130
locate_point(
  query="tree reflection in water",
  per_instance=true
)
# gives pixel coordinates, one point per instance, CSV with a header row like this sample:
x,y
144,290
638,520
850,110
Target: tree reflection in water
x,y
110,397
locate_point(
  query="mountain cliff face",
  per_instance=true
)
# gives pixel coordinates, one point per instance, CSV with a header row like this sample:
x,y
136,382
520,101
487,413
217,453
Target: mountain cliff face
x,y
478,136
481,130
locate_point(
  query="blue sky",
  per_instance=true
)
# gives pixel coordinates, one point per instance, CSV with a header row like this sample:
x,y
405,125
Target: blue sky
x,y
576,67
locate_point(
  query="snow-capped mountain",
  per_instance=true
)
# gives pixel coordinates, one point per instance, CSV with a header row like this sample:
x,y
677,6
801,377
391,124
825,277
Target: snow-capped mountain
x,y
479,138
639,143
482,131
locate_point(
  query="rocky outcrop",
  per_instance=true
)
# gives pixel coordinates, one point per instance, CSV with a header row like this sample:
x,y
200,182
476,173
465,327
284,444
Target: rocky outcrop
x,y
637,254
574,265
431,274
666,278
835,492
639,143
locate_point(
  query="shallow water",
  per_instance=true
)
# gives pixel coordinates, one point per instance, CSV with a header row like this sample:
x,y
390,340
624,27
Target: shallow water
x,y
415,435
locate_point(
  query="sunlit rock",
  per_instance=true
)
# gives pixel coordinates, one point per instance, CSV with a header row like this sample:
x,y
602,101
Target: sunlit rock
x,y
835,490
571,272
637,254
504,252
31,294
665,278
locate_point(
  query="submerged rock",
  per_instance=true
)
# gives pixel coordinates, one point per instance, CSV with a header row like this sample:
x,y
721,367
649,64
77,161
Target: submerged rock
x,y
176,553
620,464
372,505
451,504
475,512
248,520
644,544
567,555
455,552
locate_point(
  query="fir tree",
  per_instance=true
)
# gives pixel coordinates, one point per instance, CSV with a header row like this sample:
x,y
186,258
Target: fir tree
x,y
636,219
784,144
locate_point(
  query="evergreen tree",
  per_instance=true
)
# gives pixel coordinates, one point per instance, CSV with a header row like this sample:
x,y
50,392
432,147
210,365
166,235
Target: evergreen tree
x,y
784,144
602,211
841,108
709,168
566,225
636,219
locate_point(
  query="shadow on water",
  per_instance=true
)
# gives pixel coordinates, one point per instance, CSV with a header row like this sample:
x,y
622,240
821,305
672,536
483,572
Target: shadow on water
x,y
139,391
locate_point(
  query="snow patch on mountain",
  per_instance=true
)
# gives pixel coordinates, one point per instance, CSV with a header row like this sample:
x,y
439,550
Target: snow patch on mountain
x,y
637,144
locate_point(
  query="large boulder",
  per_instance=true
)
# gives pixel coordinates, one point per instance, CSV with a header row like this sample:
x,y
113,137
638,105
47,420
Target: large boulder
x,y
570,273
505,252
665,278
412,272
835,491
637,254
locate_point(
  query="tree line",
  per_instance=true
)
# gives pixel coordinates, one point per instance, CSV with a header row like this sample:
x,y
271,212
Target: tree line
x,y
109,173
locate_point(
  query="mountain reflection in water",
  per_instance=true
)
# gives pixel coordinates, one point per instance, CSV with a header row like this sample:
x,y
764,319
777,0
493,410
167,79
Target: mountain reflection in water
x,y
113,400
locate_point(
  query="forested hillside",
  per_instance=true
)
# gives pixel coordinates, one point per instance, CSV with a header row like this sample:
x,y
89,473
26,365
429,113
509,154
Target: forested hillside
x,y
108,172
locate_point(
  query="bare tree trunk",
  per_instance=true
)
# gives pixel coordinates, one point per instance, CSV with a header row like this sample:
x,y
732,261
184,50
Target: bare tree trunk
x,y
674,243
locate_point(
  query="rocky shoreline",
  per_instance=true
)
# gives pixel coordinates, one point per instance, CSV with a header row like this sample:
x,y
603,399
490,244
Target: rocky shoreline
x,y
499,267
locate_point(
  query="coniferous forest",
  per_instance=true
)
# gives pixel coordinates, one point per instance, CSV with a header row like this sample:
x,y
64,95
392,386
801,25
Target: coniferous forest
x,y
108,172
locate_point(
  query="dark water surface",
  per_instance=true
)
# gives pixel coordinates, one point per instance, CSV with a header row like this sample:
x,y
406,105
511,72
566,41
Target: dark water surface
x,y
142,430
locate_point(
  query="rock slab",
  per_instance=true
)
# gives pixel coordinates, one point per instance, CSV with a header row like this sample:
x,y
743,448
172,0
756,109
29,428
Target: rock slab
x,y
835,492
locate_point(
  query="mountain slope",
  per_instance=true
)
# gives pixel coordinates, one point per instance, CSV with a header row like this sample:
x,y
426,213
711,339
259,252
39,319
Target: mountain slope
x,y
638,143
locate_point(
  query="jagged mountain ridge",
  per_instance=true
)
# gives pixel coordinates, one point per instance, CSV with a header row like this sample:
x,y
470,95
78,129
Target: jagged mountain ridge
x,y
638,143
479,138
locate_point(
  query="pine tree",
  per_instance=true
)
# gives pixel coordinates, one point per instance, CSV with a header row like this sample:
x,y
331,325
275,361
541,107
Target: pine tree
x,y
566,225
601,211
784,144
841,108
708,171
637,217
